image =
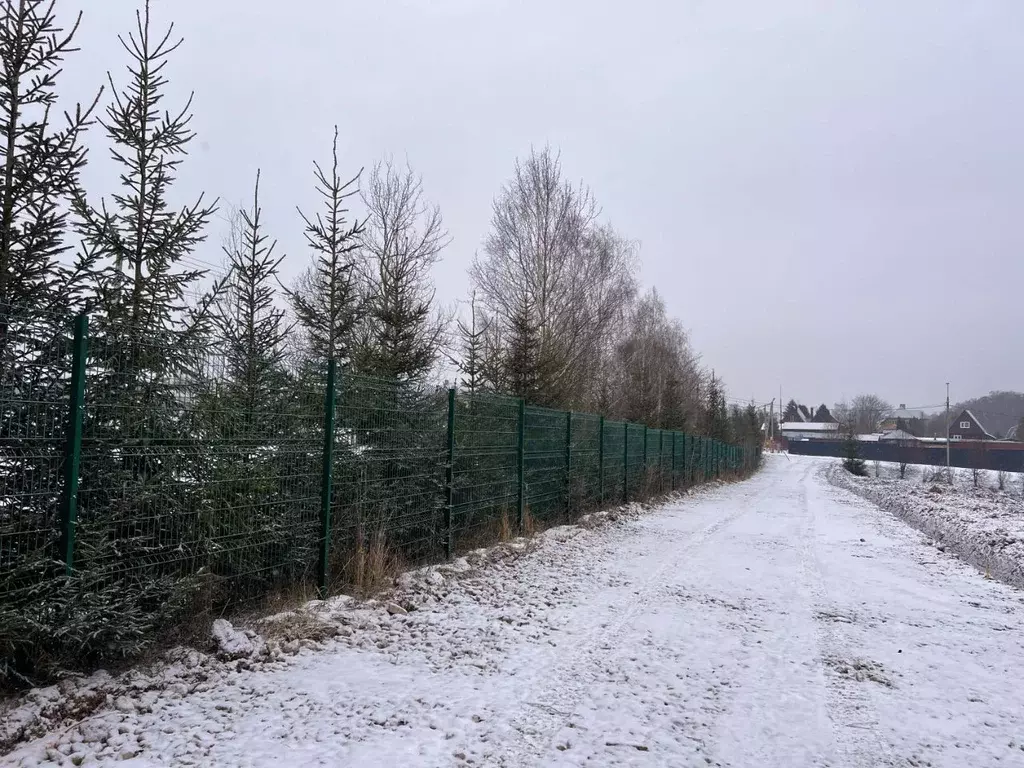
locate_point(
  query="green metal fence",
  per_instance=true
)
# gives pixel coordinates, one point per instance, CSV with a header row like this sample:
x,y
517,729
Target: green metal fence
x,y
148,481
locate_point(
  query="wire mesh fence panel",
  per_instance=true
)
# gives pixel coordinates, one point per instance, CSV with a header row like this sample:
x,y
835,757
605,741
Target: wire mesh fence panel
x,y
485,487
545,476
194,476
636,443
665,463
584,476
388,497
653,479
677,458
691,460
146,473
35,365
613,477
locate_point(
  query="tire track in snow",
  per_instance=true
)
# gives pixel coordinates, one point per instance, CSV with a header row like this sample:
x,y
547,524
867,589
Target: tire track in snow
x,y
567,683
777,714
855,722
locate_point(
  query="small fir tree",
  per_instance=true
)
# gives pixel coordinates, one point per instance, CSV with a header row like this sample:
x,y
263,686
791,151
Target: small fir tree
x,y
327,298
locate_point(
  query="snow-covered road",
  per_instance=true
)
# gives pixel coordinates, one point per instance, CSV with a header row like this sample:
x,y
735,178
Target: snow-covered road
x,y
778,622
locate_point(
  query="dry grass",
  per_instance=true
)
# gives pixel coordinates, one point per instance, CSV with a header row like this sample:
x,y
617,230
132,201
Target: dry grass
x,y
530,526
297,625
504,526
367,567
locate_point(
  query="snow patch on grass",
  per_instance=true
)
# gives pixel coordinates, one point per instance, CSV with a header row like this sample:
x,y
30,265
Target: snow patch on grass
x,y
983,526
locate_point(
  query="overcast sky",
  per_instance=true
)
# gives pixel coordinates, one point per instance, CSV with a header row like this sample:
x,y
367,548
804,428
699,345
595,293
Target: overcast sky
x,y
827,194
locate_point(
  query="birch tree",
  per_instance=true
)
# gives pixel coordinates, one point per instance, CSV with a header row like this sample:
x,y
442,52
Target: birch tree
x,y
403,238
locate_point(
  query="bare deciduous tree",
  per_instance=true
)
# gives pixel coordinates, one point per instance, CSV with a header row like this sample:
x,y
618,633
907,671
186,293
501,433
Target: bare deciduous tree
x,y
868,411
547,253
657,380
403,238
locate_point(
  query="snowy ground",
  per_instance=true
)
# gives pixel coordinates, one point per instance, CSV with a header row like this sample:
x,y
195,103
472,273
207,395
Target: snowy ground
x,y
777,622
978,521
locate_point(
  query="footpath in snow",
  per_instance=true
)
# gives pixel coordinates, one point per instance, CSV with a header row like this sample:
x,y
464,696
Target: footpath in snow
x,y
780,622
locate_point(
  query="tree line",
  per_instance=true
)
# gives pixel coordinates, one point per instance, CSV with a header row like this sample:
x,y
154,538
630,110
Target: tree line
x,y
228,368
555,316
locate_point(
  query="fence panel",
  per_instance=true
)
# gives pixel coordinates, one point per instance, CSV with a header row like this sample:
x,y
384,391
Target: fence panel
x,y
545,478
614,457
187,476
390,454
35,365
636,469
200,484
484,474
585,452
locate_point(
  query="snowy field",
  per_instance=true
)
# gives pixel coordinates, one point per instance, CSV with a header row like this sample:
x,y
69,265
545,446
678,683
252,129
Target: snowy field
x,y
974,518
781,622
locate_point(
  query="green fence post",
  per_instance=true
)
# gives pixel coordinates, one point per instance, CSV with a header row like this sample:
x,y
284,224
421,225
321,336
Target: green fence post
x,y
521,467
327,475
661,461
674,433
600,463
568,462
449,479
73,445
645,478
625,463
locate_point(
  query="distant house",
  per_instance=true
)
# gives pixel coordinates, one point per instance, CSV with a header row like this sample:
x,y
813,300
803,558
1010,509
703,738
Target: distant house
x,y
897,436
967,427
802,430
904,419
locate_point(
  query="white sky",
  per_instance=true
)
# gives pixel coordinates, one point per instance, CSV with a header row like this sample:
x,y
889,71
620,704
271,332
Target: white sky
x,y
827,194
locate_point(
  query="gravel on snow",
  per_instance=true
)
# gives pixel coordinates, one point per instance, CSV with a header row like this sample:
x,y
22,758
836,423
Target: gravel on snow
x,y
776,622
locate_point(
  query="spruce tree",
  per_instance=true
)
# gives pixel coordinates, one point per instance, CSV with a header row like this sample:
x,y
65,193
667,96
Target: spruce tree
x,y
716,417
250,325
251,405
492,360
471,358
149,243
852,462
141,504
41,155
792,412
327,298
522,365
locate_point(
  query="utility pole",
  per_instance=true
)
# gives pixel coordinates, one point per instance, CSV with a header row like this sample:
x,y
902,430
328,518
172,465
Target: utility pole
x,y
949,474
